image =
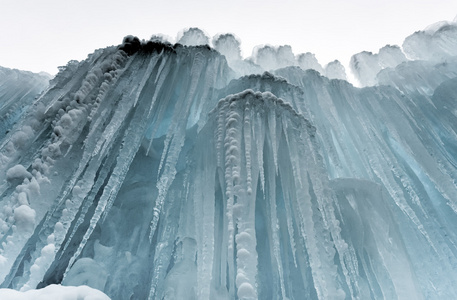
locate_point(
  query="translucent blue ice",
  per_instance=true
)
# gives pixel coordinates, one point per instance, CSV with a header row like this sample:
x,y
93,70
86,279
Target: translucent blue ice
x,y
158,171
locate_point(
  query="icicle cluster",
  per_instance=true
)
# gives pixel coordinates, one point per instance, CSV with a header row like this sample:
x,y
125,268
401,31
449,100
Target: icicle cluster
x,y
152,171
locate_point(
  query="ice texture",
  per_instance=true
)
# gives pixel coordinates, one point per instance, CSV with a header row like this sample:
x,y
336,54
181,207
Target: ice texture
x,y
159,171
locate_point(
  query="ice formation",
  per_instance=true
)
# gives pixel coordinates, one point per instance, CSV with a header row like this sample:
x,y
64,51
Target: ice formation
x,y
154,170
309,61
228,45
193,37
18,90
366,65
437,42
335,70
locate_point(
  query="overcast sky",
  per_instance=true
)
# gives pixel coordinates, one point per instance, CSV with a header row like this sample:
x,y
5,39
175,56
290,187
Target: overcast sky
x,y
39,35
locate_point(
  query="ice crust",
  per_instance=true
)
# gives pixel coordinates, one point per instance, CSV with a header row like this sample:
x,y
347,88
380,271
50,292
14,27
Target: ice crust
x,y
160,171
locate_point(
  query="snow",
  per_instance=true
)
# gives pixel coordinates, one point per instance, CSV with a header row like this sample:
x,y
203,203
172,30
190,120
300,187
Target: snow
x,y
17,172
185,172
24,217
56,292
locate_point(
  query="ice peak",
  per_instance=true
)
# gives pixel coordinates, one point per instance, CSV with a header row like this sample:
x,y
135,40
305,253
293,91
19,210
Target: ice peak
x,y
193,37
228,45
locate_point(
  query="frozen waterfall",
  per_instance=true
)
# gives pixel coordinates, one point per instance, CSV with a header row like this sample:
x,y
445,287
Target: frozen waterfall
x,y
154,170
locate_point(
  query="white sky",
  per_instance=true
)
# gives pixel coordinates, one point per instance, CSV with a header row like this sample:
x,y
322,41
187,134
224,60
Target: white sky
x,y
39,35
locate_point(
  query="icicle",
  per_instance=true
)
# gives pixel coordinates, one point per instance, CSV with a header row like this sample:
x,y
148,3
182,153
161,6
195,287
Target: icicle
x,y
152,63
274,224
272,130
161,110
230,146
260,140
246,255
204,209
247,145
173,143
132,138
287,198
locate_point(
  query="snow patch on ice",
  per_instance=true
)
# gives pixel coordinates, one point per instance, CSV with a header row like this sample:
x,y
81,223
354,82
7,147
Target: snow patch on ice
x,y
55,292
24,217
18,172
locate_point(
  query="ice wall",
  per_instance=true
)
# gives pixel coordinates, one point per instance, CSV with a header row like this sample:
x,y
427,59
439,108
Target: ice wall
x,y
160,171
56,191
